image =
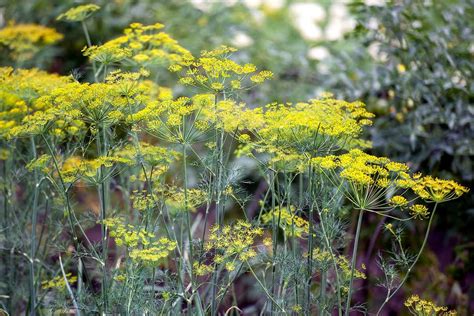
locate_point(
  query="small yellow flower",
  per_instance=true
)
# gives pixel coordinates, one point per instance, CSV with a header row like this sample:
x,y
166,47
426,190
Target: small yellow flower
x,y
297,308
398,200
120,278
401,68
230,266
217,86
419,211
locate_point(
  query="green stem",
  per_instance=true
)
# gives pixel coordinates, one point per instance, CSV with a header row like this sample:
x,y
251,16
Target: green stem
x,y
187,214
66,282
353,261
102,146
7,264
322,293
310,243
34,218
89,44
194,293
414,262
334,262
274,234
263,287
219,139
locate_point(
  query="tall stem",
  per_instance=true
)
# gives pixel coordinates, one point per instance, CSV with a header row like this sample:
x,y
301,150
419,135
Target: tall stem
x,y
334,262
264,288
7,265
414,262
274,235
219,139
353,261
102,146
186,212
310,242
89,44
34,217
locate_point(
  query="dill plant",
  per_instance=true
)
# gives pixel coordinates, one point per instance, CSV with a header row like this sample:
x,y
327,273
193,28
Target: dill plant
x,y
167,241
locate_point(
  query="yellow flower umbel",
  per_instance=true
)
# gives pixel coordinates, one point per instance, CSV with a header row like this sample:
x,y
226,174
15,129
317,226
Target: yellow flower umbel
x,y
311,129
420,307
79,13
419,211
142,245
141,45
398,200
290,223
155,159
114,102
215,72
187,120
369,179
228,245
75,168
23,41
19,93
175,199
153,254
438,190
59,282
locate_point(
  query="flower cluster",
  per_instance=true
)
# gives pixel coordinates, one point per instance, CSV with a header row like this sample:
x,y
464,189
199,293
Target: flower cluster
x,y
228,245
215,71
175,200
438,190
142,201
79,13
156,157
323,261
143,245
127,235
288,221
420,307
369,174
59,282
24,40
185,120
70,106
142,45
121,133
371,178
419,211
310,129
75,167
343,264
19,92
154,253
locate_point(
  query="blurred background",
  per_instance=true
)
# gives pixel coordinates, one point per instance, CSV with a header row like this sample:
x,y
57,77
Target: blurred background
x,y
410,61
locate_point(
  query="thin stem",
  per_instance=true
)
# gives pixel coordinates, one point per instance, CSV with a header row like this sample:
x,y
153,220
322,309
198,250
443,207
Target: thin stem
x,y
333,259
102,146
34,217
74,302
414,262
263,287
274,233
354,259
310,243
187,215
89,44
